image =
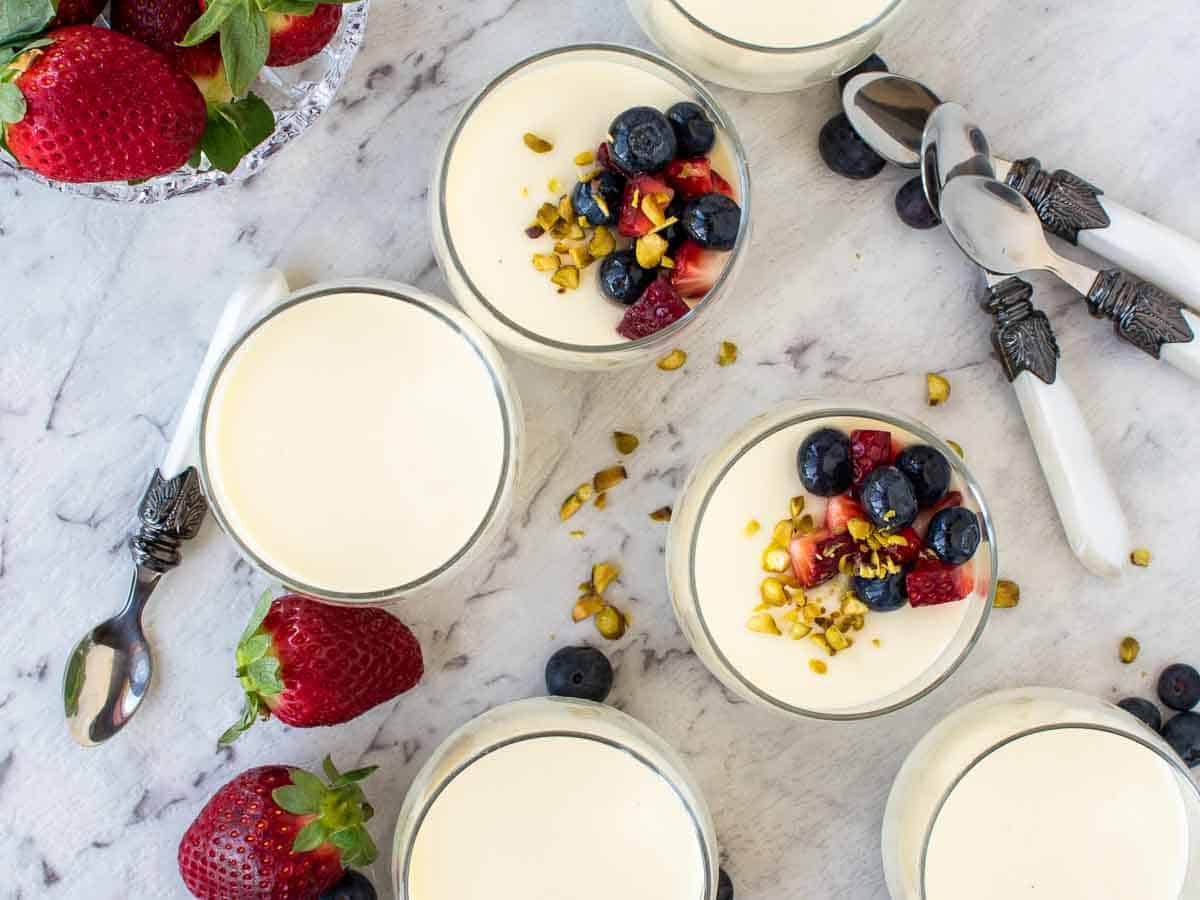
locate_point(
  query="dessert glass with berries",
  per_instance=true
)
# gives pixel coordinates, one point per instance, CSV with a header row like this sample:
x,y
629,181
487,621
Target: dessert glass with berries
x,y
554,795
588,204
832,561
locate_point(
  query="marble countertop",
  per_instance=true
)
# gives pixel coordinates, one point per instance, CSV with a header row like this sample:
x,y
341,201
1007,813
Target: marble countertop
x,y
107,310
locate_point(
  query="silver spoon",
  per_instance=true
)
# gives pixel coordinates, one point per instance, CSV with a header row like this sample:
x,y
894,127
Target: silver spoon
x,y
951,145
109,671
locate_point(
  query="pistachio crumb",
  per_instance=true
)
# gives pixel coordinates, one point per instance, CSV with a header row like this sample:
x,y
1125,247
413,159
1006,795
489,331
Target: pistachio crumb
x,y
537,144
569,507
601,501
1140,557
586,158
545,262
805,525
567,277
584,492
673,360
581,257
610,623
1008,594
603,575
609,478
937,389
625,442
772,593
957,449
796,506
876,642
776,558
752,528
1129,649
586,607
727,353
818,666
602,243
553,185
763,623
662,514
649,250
576,533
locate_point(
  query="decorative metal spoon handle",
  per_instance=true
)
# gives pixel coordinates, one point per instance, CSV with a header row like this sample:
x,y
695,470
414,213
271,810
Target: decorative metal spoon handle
x,y
171,512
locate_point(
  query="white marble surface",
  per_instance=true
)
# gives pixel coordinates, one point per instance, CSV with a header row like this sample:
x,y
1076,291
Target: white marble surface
x,y
106,312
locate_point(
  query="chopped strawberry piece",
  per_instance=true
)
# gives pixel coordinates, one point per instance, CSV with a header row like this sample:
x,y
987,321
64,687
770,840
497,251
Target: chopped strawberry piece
x,y
933,582
868,450
721,186
657,308
696,269
815,556
842,509
605,161
906,552
691,177
633,222
952,498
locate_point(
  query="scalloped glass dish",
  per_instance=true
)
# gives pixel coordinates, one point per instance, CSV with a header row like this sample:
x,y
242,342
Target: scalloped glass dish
x,y
296,94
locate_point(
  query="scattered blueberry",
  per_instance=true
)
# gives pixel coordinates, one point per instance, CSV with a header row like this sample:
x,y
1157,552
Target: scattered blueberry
x,y
712,221
824,462
889,499
927,470
724,886
845,152
1179,686
675,234
873,63
608,187
642,140
912,207
954,534
882,594
694,132
352,886
1182,732
622,278
1144,710
581,672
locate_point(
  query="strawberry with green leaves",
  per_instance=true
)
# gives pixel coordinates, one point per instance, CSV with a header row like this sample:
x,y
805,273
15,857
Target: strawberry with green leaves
x,y
76,12
278,833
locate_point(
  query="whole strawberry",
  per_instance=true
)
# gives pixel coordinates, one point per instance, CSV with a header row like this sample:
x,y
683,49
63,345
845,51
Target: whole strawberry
x,y
76,12
90,104
308,663
297,38
276,832
160,24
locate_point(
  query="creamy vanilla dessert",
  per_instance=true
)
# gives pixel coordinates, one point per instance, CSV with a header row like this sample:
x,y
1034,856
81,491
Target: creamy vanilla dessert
x,y
1040,793
841,647
358,441
492,183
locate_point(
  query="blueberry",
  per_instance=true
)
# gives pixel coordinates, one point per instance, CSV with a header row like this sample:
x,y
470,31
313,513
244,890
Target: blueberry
x,y
882,594
1179,686
642,140
1144,710
845,152
1182,732
824,462
912,207
954,534
694,132
724,886
581,672
712,220
674,235
607,188
889,499
927,471
352,886
622,278
873,63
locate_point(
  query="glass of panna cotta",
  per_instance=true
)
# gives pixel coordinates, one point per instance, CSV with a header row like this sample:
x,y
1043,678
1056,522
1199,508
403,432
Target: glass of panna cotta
x,y
360,441
832,561
553,797
767,45
588,204
1042,793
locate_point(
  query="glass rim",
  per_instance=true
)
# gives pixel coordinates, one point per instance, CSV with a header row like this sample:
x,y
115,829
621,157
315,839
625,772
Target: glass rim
x,y
787,49
1173,763
786,419
479,344
712,107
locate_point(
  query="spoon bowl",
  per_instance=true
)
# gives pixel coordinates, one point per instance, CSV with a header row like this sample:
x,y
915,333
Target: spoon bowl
x,y
952,145
889,112
995,225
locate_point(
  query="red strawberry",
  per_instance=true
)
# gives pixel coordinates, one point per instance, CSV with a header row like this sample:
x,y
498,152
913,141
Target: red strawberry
x,y
309,663
869,449
721,186
906,552
297,38
605,161
277,833
100,106
952,498
76,12
842,509
657,308
160,24
696,269
633,222
691,177
815,556
933,582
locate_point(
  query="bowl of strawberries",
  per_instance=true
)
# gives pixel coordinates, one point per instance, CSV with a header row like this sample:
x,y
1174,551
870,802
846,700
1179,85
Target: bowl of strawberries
x,y
138,101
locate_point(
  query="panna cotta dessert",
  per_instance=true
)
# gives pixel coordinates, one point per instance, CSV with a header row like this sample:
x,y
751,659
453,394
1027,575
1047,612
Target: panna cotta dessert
x,y
588,204
1042,793
767,45
554,798
360,441
832,562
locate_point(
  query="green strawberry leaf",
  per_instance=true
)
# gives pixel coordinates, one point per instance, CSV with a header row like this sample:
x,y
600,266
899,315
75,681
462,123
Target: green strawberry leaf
x,y
357,774
291,798
312,787
253,649
331,771
23,19
263,675
234,129
210,22
289,7
12,103
250,713
245,43
261,608
311,837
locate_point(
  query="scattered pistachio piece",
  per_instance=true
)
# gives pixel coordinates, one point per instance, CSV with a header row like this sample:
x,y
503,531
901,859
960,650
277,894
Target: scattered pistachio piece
x,y
609,478
662,514
772,593
796,507
752,528
763,623
601,500
836,639
652,211
525,191
602,243
547,215
545,262
957,449
537,144
876,642
576,533
575,231
727,353
818,666
584,492
1129,649
586,158
782,532
776,558
799,631
553,186
821,641
650,249
1140,557
804,525
610,623
625,442
603,575
1008,594
860,529
852,606
566,211
580,256
673,360
937,389
586,607
569,507
567,277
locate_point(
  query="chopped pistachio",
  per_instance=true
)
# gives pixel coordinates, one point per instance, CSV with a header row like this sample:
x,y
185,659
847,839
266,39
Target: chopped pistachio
x,y
662,514
860,529
782,532
798,631
852,606
837,640
560,229
876,642
727,353
937,389
580,256
586,158
547,215
582,222
846,565
601,500
772,593
821,641
1140,557
650,249
673,360
567,277
776,558
602,243
763,623
575,232
625,442
603,575
811,612
666,263
610,623
792,615
795,594
652,211
562,247
525,191
804,525
566,211
545,262
752,528
796,507
584,492
586,607
856,622
957,449
818,666
590,176
609,478
1129,649
1008,594
537,144
553,186
576,533
569,507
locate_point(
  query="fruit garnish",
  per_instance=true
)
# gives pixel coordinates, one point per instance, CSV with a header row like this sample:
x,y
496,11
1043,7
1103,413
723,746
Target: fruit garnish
x,y
823,461
642,140
583,673
840,511
1182,732
721,186
927,470
633,221
695,133
913,208
611,623
889,499
673,360
1128,649
690,177
1008,594
1179,686
727,354
933,582
845,152
937,389
658,307
624,442
954,534
622,279
609,478
712,220
1140,557
815,556
882,594
1144,710
535,143
901,547
869,449
662,514
599,199
696,270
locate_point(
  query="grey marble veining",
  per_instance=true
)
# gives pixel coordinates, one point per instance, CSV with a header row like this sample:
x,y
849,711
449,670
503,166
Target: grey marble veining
x,y
106,312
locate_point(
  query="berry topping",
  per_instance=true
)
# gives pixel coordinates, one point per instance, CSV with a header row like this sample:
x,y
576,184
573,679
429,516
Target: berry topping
x,y
712,220
842,509
954,535
581,672
643,140
1144,710
658,307
690,177
845,152
694,133
353,886
868,451
912,207
933,582
927,471
882,594
903,553
888,498
645,192
599,199
1179,686
724,882
873,63
622,279
605,161
696,269
721,186
815,556
1182,732
824,462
